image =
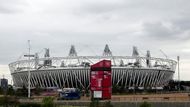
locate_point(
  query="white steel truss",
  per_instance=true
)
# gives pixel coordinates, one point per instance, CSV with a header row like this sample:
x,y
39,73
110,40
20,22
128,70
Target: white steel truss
x,y
74,71
79,77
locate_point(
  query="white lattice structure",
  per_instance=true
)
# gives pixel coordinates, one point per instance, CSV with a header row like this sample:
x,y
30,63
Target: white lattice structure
x,y
73,71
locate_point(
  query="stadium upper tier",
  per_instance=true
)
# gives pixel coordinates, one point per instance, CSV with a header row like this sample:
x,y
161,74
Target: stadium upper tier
x,y
84,61
161,68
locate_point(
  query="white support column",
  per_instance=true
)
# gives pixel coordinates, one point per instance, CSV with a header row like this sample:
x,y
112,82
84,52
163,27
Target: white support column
x,y
87,78
32,81
63,79
141,78
19,80
154,79
134,80
84,79
158,78
14,81
145,78
25,79
126,79
47,78
54,81
67,81
71,78
161,78
59,73
118,75
75,77
42,79
124,74
130,75
36,79
151,78
138,76
113,76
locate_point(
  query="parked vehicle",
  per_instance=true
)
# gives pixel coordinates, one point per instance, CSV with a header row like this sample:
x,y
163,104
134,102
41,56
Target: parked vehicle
x,y
69,94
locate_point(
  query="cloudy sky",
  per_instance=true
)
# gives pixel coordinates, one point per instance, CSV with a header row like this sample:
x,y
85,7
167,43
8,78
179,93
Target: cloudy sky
x,y
90,24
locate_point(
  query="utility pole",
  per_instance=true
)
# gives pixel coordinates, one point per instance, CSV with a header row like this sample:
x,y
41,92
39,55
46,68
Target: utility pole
x,y
28,68
28,55
178,58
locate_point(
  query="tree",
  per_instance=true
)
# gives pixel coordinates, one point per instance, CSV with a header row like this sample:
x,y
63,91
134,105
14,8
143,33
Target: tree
x,y
1,91
22,92
10,90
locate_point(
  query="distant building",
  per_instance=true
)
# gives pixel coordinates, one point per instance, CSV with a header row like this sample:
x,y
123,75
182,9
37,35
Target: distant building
x,y
4,84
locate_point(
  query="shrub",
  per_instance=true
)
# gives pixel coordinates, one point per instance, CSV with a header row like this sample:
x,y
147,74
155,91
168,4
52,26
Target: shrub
x,y
22,92
94,103
108,104
8,101
145,104
4,101
48,102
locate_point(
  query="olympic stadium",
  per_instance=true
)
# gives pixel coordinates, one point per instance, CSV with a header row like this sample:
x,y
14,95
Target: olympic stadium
x,y
73,71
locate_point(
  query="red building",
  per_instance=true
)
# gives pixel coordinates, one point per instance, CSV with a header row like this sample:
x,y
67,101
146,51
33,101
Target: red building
x,y
100,80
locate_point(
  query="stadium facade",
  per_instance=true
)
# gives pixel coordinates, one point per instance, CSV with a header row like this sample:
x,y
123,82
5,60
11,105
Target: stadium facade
x,y
74,71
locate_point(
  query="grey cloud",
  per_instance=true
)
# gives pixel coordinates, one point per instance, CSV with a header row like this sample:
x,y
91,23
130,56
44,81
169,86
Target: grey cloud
x,y
170,7
11,6
5,10
100,7
162,31
157,29
184,24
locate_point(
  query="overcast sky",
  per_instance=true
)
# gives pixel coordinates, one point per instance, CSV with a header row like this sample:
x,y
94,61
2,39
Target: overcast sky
x,y
90,24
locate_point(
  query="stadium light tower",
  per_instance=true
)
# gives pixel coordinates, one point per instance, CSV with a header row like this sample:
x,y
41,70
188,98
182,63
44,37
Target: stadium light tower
x,y
107,51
